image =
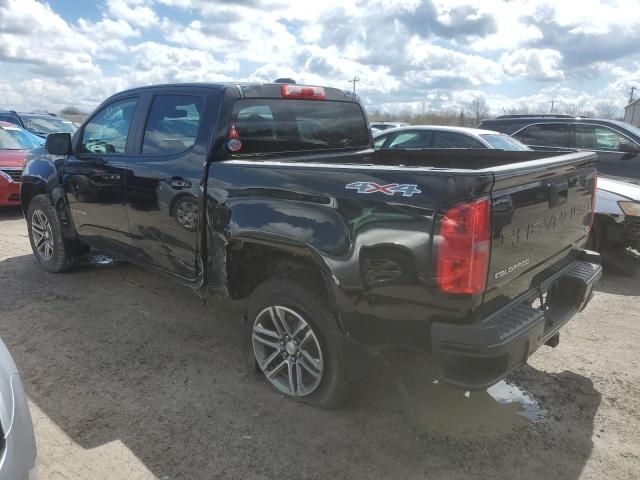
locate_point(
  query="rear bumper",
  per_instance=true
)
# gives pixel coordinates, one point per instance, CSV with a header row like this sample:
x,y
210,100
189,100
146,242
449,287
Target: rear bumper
x,y
478,355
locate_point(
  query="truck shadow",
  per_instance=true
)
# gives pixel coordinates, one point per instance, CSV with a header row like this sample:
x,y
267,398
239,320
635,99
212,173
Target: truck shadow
x,y
118,354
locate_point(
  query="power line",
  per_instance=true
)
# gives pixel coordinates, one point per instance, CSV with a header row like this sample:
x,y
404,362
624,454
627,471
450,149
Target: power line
x,y
354,80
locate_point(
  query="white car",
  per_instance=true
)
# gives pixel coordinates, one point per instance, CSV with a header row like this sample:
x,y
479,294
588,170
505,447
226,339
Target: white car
x,y
432,136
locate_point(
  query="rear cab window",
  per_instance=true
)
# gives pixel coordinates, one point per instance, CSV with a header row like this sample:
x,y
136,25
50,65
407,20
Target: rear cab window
x,y
274,125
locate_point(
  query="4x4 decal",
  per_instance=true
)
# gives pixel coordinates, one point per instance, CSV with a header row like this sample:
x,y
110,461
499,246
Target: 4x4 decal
x,y
406,189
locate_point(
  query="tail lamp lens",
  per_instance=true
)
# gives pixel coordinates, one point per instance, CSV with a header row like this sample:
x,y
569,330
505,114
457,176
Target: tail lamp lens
x,y
463,247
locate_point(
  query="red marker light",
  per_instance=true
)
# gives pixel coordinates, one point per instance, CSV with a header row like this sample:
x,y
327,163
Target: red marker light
x,y
302,92
233,133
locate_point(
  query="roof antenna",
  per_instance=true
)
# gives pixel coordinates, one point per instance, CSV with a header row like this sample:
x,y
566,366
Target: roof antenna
x,y
285,80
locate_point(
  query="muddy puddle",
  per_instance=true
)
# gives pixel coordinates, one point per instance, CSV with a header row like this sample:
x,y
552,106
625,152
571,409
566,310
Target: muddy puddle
x,y
439,408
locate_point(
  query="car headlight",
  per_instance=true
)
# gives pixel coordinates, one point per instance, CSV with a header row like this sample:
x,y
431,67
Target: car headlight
x,y
631,209
5,176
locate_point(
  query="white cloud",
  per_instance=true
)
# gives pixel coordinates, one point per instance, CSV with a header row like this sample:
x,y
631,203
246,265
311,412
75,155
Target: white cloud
x,y
532,63
133,11
406,53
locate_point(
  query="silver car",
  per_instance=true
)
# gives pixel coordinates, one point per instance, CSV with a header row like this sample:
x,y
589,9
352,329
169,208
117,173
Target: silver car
x,y
17,441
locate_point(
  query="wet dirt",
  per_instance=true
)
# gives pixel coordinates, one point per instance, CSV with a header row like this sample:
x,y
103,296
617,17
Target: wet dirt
x,y
436,407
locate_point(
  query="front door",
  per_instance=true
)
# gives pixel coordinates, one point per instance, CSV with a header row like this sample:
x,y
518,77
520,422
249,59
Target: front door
x,y
163,189
95,175
608,144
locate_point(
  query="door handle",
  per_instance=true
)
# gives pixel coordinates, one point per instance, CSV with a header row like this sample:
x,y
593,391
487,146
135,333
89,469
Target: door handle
x,y
106,176
179,183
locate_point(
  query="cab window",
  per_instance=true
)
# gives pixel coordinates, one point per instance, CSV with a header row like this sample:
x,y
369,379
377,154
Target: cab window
x,y
108,130
173,124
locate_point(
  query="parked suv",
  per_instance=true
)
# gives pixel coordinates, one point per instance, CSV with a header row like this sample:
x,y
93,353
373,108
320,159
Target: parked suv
x,y
41,124
616,143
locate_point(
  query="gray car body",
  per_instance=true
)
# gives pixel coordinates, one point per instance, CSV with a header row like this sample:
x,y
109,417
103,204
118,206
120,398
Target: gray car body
x,y
18,457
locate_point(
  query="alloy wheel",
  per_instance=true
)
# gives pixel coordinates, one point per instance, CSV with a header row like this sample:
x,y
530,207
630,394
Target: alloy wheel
x,y
287,351
42,235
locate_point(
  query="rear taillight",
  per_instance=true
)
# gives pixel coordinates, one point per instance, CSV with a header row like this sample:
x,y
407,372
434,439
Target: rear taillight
x,y
463,247
302,92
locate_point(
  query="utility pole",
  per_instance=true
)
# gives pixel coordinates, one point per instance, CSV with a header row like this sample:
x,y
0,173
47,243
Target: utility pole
x,y
354,80
553,102
633,89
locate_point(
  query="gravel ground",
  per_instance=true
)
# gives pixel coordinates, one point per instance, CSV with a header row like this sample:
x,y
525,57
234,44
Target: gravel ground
x,y
130,376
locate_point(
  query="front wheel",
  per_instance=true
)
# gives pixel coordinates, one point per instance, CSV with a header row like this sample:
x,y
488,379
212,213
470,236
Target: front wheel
x,y
294,341
52,251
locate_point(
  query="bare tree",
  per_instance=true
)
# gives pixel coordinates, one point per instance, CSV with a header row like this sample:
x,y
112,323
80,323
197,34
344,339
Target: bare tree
x,y
607,108
71,110
478,109
573,108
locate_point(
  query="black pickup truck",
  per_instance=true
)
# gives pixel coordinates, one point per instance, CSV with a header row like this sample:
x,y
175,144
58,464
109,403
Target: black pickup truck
x,y
273,192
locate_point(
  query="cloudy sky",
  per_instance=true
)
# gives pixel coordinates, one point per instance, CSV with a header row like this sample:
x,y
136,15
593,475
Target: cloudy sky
x,y
431,54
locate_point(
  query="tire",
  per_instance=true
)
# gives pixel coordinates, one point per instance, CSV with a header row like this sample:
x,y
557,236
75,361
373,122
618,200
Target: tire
x,y
309,356
53,252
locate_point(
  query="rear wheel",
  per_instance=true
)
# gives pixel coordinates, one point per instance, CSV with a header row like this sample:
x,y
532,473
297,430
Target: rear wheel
x,y
53,252
294,341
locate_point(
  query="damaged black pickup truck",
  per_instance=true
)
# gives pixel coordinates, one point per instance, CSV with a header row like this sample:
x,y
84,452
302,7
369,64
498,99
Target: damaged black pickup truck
x,y
273,192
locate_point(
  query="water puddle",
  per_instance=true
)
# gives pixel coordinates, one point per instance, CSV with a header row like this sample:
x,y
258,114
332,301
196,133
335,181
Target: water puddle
x,y
440,408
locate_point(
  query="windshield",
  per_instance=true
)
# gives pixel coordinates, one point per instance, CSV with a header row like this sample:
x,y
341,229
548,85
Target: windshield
x,y
274,125
45,124
15,138
504,142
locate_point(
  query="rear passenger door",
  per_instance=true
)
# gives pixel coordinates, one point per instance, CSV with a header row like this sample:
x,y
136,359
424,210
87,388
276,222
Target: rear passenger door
x,y
163,188
608,143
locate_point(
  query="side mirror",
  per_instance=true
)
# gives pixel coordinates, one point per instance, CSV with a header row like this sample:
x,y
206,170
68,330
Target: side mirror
x,y
58,144
629,147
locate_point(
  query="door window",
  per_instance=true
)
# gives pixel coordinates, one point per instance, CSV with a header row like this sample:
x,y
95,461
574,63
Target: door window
x,y
593,137
108,130
456,140
173,124
545,135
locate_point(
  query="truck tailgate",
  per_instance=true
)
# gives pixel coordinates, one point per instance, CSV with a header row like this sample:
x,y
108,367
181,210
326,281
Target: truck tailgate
x,y
541,216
